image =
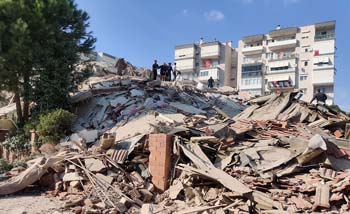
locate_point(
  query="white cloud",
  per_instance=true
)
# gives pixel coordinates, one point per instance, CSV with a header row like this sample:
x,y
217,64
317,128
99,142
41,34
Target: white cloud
x,y
214,15
185,12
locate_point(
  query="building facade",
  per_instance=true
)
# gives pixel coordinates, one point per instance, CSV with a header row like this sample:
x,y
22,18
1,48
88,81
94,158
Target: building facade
x,y
200,61
288,58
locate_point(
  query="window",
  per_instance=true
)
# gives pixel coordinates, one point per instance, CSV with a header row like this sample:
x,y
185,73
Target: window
x,y
197,64
306,50
204,73
321,89
304,37
251,68
302,78
269,55
279,68
305,63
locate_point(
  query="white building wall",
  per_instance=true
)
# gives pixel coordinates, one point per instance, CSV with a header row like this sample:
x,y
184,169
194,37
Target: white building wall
x,y
307,74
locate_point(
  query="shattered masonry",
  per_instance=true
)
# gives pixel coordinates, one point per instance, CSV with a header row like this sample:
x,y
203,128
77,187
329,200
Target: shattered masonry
x,y
150,147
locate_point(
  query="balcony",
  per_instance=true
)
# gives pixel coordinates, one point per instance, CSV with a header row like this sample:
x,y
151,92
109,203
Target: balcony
x,y
206,73
185,65
251,60
284,57
253,49
281,70
279,44
323,77
283,85
324,37
210,50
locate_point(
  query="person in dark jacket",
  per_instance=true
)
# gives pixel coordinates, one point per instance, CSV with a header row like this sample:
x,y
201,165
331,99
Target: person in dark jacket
x,y
319,97
155,67
163,71
169,71
210,82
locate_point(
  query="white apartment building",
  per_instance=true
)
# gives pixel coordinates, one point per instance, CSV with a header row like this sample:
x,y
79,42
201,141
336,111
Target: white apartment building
x,y
287,59
203,60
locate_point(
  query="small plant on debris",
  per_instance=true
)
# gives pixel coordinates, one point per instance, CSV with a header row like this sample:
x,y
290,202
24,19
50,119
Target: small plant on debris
x,y
54,125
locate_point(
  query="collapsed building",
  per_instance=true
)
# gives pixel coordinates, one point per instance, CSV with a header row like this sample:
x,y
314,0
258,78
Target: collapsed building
x,y
155,147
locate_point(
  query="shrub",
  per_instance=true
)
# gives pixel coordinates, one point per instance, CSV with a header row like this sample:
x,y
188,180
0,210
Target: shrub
x,y
5,166
54,125
17,143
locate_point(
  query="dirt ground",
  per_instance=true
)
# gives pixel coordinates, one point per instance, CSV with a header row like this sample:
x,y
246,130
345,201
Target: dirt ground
x,y
30,203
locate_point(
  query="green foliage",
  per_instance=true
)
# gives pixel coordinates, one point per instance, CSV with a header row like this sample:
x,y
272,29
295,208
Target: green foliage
x,y
17,143
40,43
5,166
54,125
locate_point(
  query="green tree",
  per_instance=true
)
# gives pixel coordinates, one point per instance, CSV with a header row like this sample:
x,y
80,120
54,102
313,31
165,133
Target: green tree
x,y
40,43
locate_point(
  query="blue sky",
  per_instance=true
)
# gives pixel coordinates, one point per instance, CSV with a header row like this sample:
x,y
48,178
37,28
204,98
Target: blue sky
x,y
143,30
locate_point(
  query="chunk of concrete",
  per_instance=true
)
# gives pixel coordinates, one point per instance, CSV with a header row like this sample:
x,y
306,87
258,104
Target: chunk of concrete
x,y
94,165
72,176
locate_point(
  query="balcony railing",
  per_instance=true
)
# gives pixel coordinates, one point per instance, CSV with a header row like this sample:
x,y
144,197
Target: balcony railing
x,y
283,43
274,85
251,60
182,68
205,73
253,49
210,54
274,58
324,37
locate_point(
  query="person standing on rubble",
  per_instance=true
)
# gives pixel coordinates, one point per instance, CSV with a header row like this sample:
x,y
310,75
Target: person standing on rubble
x,y
169,71
320,97
210,82
163,71
174,72
155,67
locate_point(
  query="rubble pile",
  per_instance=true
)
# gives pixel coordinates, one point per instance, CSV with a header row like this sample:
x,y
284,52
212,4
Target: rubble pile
x,y
103,68
150,147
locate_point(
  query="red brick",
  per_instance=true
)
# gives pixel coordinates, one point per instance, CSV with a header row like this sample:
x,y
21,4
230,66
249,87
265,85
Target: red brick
x,y
160,146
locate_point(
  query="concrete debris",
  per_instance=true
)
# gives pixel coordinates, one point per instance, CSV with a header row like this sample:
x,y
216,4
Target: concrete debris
x,y
154,147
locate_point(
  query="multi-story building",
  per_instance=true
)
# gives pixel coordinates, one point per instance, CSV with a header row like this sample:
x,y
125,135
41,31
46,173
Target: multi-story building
x,y
287,59
203,60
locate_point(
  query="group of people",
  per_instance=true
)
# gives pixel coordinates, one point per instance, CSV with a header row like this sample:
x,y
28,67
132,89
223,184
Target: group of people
x,y
165,70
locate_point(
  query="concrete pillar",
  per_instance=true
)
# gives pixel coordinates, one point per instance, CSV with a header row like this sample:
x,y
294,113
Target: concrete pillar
x,y
160,146
33,139
228,65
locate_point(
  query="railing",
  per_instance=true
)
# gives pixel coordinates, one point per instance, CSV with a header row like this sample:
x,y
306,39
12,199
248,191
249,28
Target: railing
x,y
212,53
280,85
252,48
251,60
291,56
184,68
282,42
324,37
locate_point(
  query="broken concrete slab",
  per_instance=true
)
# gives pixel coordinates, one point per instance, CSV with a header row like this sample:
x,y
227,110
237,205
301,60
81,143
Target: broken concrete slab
x,y
94,165
186,108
